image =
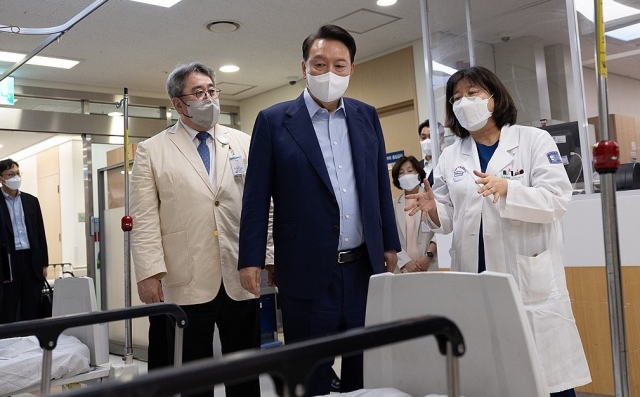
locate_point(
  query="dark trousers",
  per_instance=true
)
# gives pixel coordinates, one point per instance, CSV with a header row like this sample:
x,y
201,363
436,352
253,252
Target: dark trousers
x,y
342,307
566,393
239,326
21,297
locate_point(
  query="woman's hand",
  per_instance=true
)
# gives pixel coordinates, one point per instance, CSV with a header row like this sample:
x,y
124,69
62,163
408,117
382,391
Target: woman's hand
x,y
424,202
411,267
491,184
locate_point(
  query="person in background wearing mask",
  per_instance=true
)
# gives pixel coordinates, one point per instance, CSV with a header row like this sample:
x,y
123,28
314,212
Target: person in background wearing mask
x,y
186,190
502,190
29,257
424,132
419,248
322,159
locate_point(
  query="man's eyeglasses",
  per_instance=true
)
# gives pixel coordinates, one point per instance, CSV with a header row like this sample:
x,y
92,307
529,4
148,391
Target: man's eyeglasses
x,y
10,175
212,93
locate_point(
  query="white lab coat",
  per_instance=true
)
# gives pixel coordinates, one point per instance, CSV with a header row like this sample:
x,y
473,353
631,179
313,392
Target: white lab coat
x,y
522,236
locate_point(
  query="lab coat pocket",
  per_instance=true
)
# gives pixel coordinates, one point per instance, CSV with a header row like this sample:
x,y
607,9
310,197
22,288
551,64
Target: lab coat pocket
x,y
178,262
536,280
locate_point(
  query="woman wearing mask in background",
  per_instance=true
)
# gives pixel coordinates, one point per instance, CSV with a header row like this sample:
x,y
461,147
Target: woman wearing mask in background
x,y
502,189
419,249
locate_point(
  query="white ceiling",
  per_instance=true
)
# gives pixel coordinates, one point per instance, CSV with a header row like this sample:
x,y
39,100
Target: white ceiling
x,y
135,45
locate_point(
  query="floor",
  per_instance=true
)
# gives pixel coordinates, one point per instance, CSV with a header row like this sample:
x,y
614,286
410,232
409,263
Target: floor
x,y
266,384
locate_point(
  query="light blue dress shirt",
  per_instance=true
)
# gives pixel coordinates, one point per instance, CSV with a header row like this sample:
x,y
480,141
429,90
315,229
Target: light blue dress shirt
x,y
333,137
16,213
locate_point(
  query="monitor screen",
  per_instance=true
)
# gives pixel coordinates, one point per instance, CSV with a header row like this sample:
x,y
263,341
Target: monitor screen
x,y
567,138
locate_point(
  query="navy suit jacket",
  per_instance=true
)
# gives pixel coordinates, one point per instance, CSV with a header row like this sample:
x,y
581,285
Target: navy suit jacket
x,y
286,164
35,231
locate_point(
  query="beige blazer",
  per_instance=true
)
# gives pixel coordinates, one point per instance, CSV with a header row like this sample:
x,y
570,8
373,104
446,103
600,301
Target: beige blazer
x,y
423,234
185,231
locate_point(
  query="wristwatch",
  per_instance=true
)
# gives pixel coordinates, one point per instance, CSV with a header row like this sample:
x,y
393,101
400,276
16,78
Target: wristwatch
x,y
430,254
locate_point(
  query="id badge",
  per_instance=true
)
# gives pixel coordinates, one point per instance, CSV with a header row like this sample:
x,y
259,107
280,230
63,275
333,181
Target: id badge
x,y
424,228
237,165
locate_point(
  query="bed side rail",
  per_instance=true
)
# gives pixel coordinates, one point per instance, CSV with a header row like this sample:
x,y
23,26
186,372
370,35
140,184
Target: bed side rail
x,y
48,330
291,363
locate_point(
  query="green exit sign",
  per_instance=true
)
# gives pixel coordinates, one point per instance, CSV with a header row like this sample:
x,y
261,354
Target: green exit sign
x,y
6,91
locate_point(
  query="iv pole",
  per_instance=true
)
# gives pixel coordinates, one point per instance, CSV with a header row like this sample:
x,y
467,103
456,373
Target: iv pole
x,y
127,226
606,162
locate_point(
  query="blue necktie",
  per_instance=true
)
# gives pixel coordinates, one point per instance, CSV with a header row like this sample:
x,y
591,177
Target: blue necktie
x,y
203,150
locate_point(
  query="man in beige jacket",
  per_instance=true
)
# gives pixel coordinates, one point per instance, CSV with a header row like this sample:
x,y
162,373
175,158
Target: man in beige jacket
x,y
186,196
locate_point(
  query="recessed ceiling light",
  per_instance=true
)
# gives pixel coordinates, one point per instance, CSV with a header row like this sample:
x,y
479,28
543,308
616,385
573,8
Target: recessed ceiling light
x,y
225,26
386,3
229,68
161,3
114,114
38,60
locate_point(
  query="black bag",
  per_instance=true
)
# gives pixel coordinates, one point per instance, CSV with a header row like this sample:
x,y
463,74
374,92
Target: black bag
x,y
46,300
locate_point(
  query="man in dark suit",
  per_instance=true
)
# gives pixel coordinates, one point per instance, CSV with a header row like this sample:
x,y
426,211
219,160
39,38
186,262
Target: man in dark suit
x,y
321,157
24,227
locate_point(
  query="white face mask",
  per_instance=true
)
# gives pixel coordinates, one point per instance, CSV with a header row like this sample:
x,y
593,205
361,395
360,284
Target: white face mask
x,y
409,181
426,147
204,113
472,113
13,183
327,87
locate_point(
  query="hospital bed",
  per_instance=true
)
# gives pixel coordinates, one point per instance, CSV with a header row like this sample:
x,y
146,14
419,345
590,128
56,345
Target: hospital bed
x,y
77,356
499,358
292,363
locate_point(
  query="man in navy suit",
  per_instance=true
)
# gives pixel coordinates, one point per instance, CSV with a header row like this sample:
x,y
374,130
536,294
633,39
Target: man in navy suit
x,y
24,227
322,160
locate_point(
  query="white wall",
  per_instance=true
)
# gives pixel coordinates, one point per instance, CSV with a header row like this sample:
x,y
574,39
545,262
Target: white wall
x,y
29,171
624,94
71,205
249,108
583,230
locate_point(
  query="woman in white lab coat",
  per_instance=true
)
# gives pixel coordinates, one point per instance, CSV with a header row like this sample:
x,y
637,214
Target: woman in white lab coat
x,y
419,250
501,189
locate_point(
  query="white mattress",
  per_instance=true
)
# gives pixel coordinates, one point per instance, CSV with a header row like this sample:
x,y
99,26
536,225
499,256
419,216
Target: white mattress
x,y
21,361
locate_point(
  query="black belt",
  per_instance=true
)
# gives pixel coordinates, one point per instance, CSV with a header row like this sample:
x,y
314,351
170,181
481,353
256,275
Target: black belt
x,y
352,254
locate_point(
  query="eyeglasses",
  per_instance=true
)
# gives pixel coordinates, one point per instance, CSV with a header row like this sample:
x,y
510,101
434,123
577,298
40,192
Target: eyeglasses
x,y
212,93
474,92
12,175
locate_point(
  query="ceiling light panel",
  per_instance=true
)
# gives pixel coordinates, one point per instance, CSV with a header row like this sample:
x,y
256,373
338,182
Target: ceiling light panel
x,y
160,3
628,33
38,60
612,10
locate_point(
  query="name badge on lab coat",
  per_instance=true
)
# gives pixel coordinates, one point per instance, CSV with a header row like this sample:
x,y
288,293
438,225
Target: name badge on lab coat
x,y
237,165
